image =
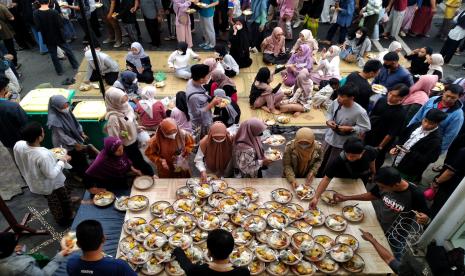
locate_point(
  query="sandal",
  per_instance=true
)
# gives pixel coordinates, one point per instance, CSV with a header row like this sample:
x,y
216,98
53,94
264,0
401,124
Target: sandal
x,y
68,81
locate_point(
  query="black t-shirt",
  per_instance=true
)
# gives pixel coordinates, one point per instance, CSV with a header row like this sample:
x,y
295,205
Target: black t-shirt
x,y
343,168
204,269
418,66
363,87
385,120
391,204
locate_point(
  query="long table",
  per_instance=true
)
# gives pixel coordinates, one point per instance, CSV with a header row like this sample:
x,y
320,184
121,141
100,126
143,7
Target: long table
x,y
165,189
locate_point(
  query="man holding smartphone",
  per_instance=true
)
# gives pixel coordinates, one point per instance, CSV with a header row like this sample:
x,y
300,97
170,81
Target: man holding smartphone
x,y
12,116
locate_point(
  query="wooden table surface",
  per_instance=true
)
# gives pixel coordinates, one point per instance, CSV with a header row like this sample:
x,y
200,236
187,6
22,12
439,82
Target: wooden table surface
x,y
165,189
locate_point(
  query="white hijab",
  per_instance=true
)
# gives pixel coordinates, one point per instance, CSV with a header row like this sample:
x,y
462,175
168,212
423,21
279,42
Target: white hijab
x,y
437,61
148,99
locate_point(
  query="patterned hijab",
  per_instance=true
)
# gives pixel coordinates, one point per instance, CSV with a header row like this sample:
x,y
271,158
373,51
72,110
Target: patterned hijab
x,y
248,136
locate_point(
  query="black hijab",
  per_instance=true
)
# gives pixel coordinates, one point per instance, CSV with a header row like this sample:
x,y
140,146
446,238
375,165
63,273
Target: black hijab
x,y
240,42
183,47
181,103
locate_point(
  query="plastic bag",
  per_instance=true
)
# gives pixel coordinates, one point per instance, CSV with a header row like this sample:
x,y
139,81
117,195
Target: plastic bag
x,y
143,137
180,164
160,76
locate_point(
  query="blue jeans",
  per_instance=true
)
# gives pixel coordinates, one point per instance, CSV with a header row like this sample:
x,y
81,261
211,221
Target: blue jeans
x,y
68,29
39,40
69,54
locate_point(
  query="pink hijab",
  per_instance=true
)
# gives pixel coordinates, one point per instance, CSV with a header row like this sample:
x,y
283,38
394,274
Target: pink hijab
x,y
419,92
274,42
247,136
304,82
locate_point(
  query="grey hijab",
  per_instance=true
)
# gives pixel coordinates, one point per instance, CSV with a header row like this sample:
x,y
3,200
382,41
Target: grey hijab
x,y
64,120
220,93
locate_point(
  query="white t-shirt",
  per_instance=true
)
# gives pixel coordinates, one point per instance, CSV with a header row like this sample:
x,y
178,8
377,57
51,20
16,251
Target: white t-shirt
x,y
40,169
177,60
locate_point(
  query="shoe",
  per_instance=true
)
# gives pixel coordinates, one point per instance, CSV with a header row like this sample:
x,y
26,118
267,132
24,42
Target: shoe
x,y
60,73
297,24
108,41
208,47
117,45
85,42
402,34
201,45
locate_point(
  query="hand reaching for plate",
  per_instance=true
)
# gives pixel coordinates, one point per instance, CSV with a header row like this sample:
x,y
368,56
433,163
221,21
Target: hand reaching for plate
x,y
339,197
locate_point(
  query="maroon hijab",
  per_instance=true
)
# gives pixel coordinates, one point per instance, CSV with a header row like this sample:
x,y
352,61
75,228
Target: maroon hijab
x,y
107,165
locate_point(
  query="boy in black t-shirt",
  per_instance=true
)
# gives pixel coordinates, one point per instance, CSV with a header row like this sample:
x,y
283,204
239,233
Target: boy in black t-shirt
x,y
220,244
355,161
391,196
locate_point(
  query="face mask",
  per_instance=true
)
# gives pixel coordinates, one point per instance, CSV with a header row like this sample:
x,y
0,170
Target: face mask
x,y
387,66
171,136
220,140
305,146
358,35
180,52
239,27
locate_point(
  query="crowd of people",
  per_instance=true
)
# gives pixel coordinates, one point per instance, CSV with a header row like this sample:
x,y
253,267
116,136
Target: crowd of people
x,y
412,122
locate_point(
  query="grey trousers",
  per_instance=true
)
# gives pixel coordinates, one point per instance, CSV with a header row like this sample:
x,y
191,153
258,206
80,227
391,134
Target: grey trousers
x,y
208,30
395,22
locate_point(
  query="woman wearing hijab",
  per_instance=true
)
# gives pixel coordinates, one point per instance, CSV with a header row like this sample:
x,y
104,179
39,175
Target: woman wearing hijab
x,y
231,68
301,59
302,157
181,112
108,67
249,154
329,65
262,95
302,91
122,123
395,46
139,62
215,153
180,61
110,169
151,112
435,61
228,111
127,82
183,22
169,150
221,81
419,95
213,65
67,133
274,48
239,40
306,37
286,12
418,64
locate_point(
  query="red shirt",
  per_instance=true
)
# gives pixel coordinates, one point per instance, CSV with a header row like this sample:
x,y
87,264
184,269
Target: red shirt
x,y
400,5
